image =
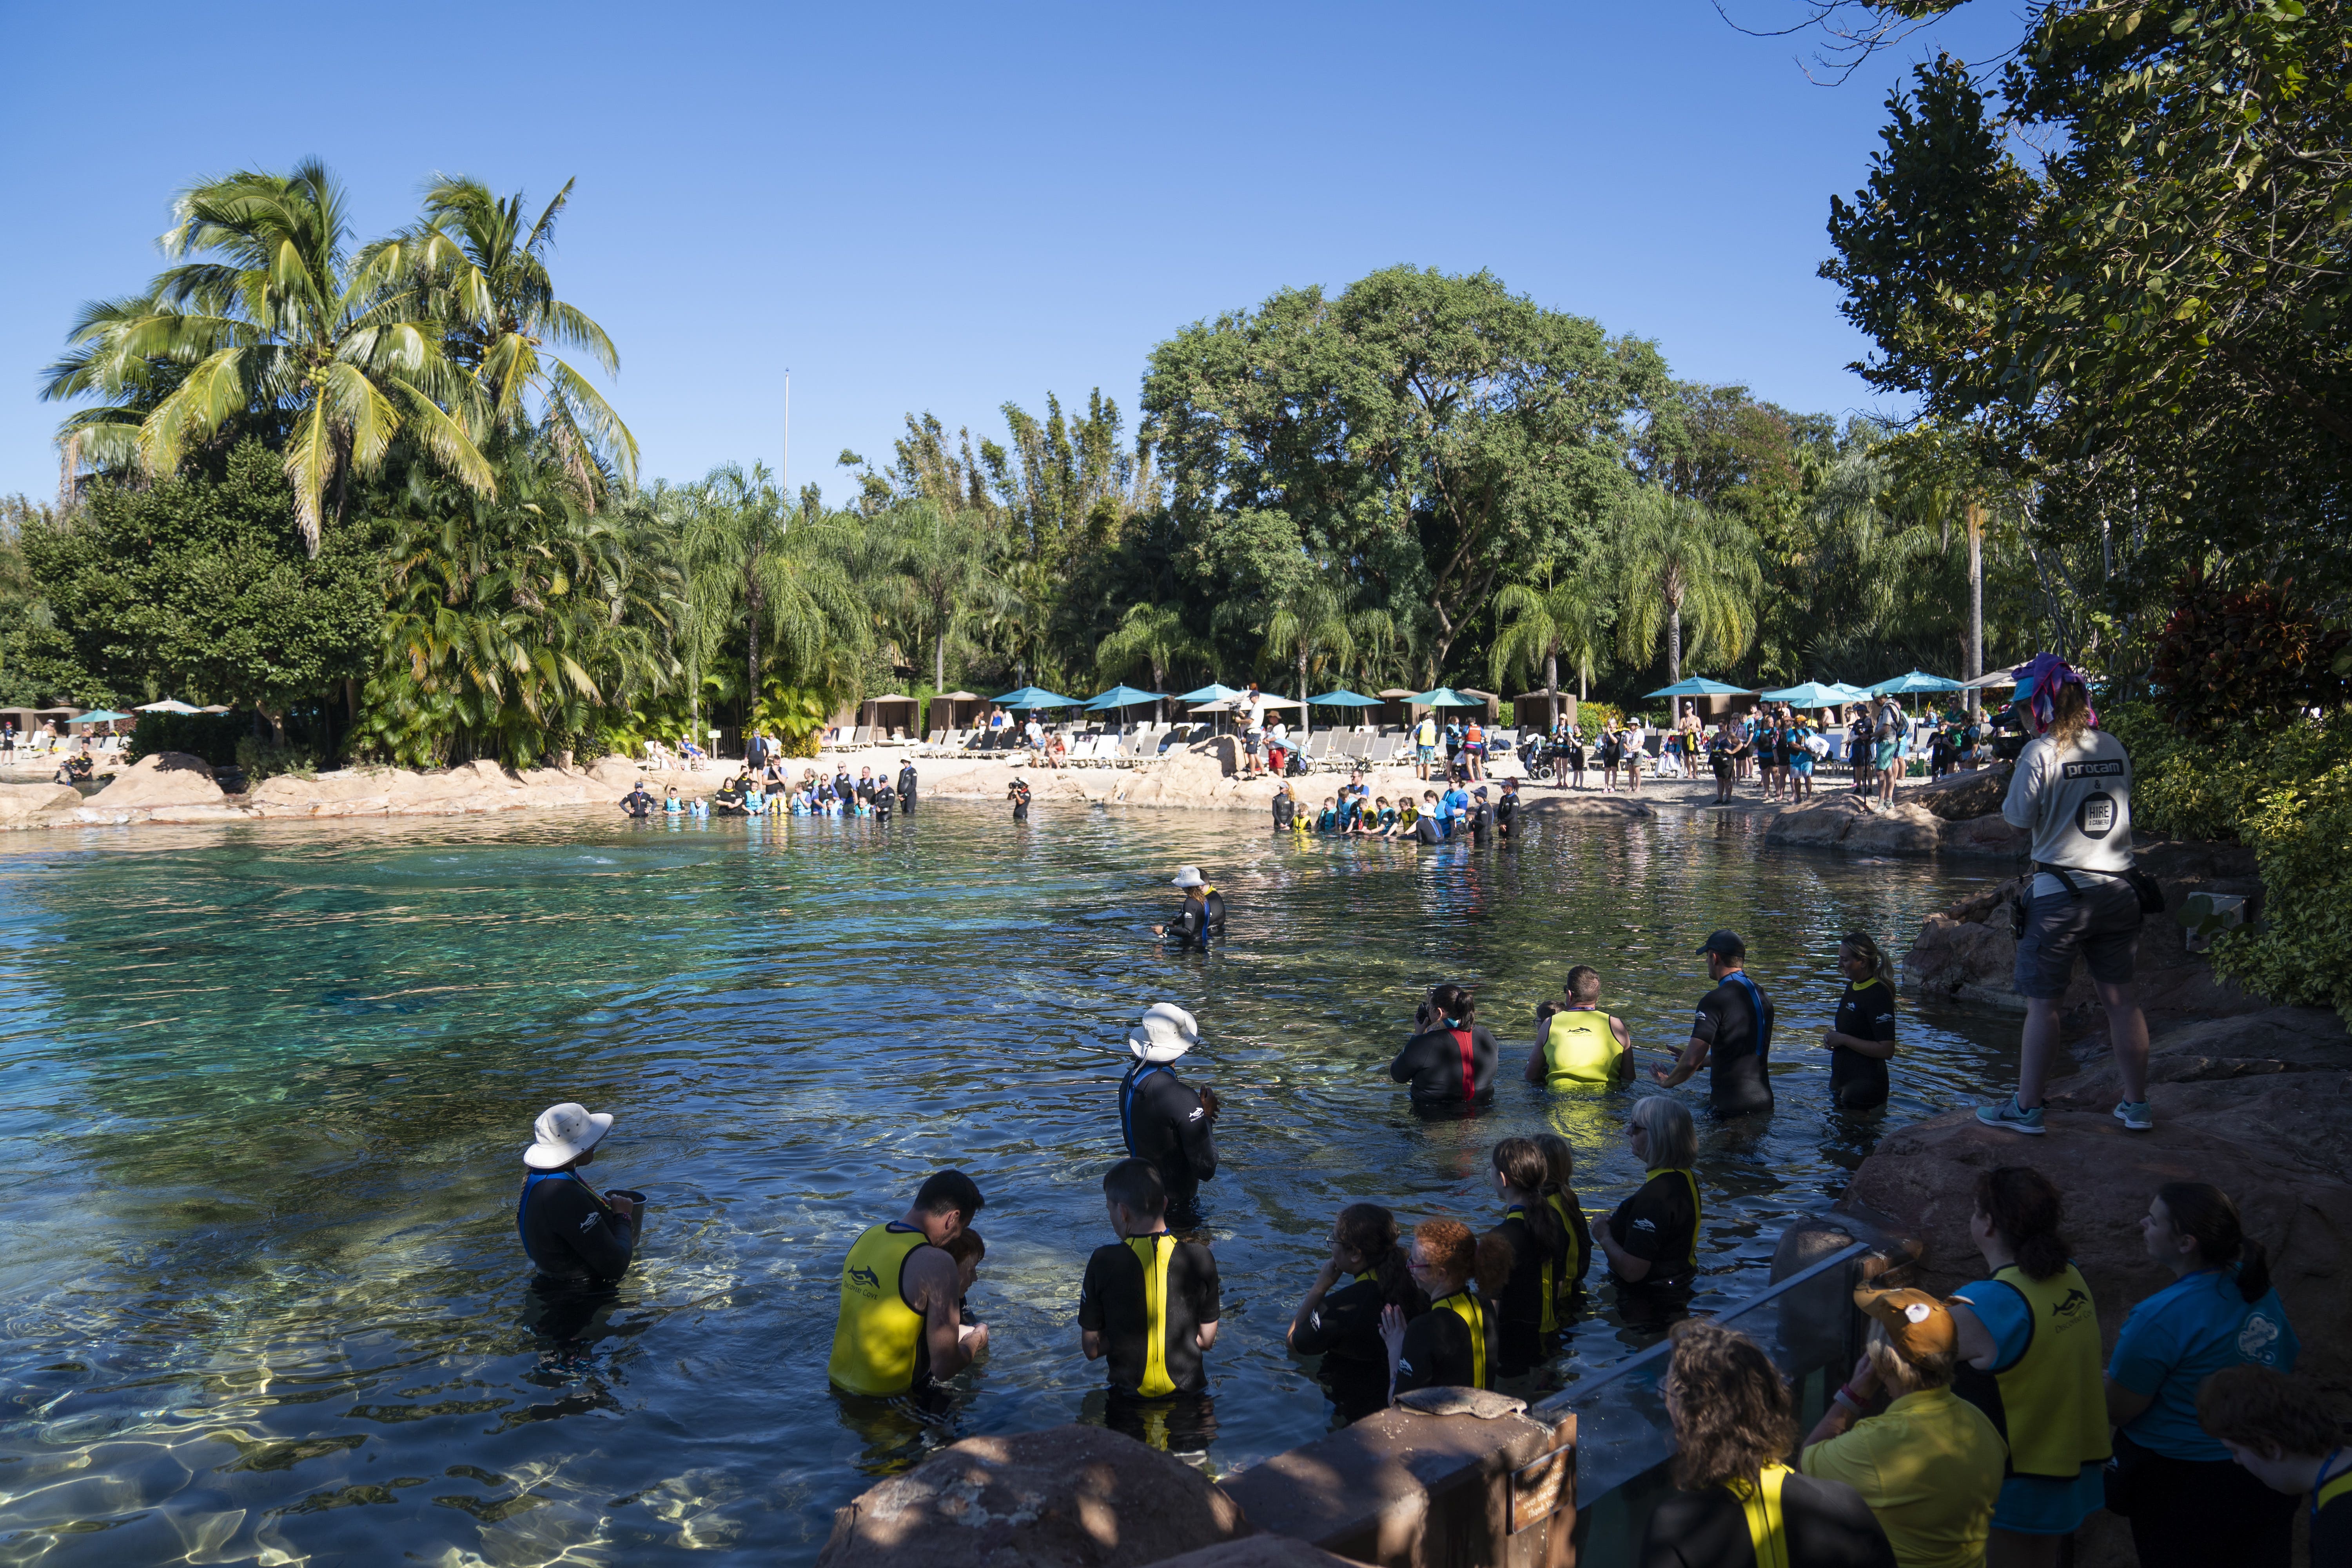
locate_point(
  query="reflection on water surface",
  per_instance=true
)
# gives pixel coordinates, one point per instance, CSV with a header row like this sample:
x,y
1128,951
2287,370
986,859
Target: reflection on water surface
x,y
266,1092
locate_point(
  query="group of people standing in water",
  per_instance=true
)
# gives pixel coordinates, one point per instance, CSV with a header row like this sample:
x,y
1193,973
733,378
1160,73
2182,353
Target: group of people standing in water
x,y
767,790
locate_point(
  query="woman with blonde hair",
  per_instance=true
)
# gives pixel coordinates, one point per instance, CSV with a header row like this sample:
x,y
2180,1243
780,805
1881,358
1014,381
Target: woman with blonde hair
x,y
1736,1499
1862,1041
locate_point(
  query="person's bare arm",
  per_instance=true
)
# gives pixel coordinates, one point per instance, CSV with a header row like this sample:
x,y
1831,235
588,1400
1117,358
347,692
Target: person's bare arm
x,y
1621,1263
1976,1347
1205,1335
1091,1342
1537,1067
937,1286
1625,1047
1694,1057
1838,1417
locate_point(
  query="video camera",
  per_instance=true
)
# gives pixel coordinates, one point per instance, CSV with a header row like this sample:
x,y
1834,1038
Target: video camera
x,y
2010,733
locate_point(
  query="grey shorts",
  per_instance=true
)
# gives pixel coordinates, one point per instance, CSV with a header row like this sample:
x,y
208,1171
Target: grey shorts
x,y
2102,925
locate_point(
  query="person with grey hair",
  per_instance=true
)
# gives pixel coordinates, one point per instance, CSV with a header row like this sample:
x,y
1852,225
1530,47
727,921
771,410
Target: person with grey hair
x,y
1652,1241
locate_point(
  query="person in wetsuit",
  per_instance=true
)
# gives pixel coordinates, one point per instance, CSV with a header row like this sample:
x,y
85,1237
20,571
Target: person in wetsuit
x,y
1017,792
1862,1041
1163,1119
900,1320
1449,1060
573,1234
1202,918
639,801
1506,811
1481,816
1651,1241
1732,1036
1367,1273
1527,1308
728,800
1452,1345
1286,810
1150,1303
907,782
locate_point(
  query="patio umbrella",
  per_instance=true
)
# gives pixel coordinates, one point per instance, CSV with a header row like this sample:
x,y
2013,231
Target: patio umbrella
x,y
169,705
1698,686
1344,699
1917,680
1214,692
1811,694
1030,697
103,716
1445,697
1123,696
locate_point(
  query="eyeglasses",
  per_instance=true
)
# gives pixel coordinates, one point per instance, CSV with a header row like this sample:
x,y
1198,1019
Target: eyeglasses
x,y
1418,1267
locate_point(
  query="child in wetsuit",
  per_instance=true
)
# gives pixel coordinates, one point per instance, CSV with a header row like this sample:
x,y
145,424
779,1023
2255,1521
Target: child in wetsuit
x,y
1327,819
1149,1302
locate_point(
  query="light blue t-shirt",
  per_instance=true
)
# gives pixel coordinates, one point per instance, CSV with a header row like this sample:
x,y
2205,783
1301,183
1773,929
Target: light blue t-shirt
x,y
2182,1335
2030,1505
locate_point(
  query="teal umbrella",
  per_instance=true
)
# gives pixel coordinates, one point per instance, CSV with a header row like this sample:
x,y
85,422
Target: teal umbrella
x,y
1213,692
103,716
1124,697
1917,680
1444,697
1811,694
1034,697
1698,686
1344,699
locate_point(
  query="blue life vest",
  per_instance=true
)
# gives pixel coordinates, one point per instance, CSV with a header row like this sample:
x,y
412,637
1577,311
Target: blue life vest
x,y
523,1205
1127,1101
1763,1019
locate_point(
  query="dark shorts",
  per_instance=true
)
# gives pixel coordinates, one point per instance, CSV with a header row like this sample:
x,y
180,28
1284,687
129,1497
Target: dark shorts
x,y
1722,767
2102,925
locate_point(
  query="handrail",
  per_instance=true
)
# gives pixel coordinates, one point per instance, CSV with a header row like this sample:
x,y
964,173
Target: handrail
x,y
1559,1403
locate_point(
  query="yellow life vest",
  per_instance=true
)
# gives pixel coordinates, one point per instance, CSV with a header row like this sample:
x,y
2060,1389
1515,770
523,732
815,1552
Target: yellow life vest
x,y
1768,1526
2053,1401
1578,1257
1463,1305
1580,1050
1549,1321
1153,1252
1693,1180
2330,1491
1425,733
873,1339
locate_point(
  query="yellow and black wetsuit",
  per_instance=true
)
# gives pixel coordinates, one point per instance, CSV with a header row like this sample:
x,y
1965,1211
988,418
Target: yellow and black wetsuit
x,y
1445,1347
878,1338
1148,1297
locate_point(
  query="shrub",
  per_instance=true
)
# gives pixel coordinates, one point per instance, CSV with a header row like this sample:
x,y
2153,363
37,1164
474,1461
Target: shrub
x,y
212,736
261,758
2228,660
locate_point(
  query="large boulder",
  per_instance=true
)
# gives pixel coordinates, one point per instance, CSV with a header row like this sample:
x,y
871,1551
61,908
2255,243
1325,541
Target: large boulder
x,y
1820,824
167,778
22,804
1070,1497
1964,796
617,774
1988,837
1901,829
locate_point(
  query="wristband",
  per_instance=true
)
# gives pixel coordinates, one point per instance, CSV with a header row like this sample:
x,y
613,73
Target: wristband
x,y
1846,1397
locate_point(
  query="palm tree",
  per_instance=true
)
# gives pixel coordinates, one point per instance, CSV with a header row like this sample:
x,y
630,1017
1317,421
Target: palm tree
x,y
269,319
1542,624
940,564
1309,624
743,543
1154,636
483,268
1680,566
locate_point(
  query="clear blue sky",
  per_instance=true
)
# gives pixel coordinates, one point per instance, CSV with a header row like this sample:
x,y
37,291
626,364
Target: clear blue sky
x,y
948,208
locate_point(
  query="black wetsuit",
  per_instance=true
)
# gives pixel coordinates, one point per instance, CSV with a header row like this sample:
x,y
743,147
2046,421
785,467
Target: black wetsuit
x,y
883,800
1826,1525
1345,1331
1439,1353
1519,1310
1446,1065
1867,1013
1482,822
637,802
865,787
1739,1045
906,789
1200,920
1286,813
1506,815
1427,831
568,1233
727,802
1112,1302
1017,792
1162,1119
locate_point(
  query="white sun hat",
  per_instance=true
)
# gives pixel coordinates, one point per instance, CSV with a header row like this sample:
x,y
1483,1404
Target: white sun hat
x,y
1188,876
564,1134
1164,1033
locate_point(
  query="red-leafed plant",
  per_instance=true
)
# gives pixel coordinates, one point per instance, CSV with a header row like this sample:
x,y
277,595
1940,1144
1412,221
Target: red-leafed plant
x,y
2246,658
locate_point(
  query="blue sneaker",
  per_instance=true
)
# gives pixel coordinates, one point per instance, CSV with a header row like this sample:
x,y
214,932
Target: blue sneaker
x,y
2013,1116
2136,1115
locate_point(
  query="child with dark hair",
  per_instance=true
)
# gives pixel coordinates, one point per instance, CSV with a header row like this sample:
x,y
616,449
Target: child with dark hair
x,y
1150,1301
1527,1308
1560,1197
2288,1439
1341,1322
2186,1501
2029,1354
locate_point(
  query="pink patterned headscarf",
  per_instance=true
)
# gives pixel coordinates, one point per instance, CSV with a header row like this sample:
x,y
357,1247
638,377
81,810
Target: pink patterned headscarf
x,y
2038,680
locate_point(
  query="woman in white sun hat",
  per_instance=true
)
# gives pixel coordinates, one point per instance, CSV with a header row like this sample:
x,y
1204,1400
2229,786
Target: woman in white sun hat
x,y
571,1230
1202,916
1163,1118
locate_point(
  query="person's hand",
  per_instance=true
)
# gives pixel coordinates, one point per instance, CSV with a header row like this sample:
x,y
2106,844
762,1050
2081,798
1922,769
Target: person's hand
x,y
1392,1329
1210,1104
1829,1036
1599,1233
1160,931
1865,1381
973,1337
1661,1072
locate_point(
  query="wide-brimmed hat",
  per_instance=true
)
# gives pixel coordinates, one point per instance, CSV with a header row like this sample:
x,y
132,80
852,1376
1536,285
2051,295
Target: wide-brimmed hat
x,y
1917,1323
1164,1033
1188,876
564,1133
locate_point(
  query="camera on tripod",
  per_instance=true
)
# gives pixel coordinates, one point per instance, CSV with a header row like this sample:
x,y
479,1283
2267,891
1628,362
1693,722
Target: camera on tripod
x,y
2008,734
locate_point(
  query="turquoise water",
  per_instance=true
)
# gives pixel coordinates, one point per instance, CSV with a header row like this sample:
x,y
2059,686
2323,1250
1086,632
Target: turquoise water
x,y
266,1090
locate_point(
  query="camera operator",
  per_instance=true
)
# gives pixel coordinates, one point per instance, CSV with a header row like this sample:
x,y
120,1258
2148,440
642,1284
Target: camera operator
x,y
2071,788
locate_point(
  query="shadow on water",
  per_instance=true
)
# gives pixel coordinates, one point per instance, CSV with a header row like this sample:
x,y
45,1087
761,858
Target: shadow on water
x,y
267,1089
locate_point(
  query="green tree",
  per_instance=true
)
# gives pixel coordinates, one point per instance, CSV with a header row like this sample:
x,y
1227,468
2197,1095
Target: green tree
x,y
783,577
1537,625
203,588
479,263
1152,636
1309,624
267,324
940,567
1682,568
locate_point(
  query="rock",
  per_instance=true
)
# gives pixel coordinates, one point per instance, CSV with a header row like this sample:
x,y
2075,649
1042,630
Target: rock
x,y
1585,806
1989,836
1925,1174
1899,830
22,803
1070,1497
167,778
1962,797
1819,825
618,773
1261,1551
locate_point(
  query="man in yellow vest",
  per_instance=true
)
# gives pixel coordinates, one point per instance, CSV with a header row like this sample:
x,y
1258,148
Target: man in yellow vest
x,y
1579,1046
900,1316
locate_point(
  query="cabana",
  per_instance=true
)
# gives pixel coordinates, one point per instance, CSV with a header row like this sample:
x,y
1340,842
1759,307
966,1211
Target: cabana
x,y
956,710
1493,701
1533,710
1395,708
893,711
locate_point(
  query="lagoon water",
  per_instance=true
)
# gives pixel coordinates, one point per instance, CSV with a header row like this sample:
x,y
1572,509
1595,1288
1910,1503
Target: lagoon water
x,y
265,1093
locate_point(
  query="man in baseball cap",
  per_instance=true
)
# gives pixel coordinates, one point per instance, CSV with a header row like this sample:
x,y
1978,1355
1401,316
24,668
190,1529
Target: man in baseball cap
x,y
1732,1035
1929,1463
571,1231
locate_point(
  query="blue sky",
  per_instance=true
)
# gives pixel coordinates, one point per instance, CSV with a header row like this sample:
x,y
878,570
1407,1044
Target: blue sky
x,y
946,208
